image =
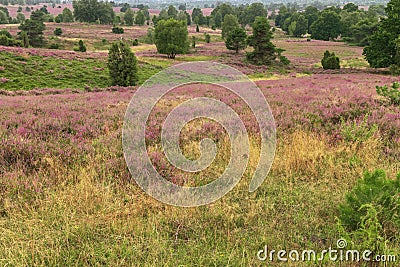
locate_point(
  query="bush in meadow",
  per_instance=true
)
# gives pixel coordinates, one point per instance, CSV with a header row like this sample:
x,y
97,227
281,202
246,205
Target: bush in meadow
x,y
392,94
122,65
330,61
207,38
376,191
54,46
193,42
135,42
117,30
81,47
58,32
197,28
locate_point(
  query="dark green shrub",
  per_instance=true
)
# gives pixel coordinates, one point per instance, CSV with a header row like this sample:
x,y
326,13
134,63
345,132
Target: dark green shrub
x,y
81,47
193,42
6,33
330,61
4,40
117,30
392,94
54,46
378,192
58,18
122,64
58,32
135,42
197,28
207,38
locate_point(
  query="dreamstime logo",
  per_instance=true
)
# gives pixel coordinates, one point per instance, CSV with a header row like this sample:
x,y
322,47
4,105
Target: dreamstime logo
x,y
340,253
147,96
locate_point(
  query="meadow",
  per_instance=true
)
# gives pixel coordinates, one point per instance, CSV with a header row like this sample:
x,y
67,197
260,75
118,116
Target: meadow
x,y
66,195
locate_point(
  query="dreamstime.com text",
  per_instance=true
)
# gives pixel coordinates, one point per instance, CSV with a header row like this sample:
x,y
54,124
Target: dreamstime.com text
x,y
340,253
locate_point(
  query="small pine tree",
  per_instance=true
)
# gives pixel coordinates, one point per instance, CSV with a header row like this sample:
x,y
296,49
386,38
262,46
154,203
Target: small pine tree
x,y
117,30
122,64
330,61
264,52
81,46
207,38
236,40
193,42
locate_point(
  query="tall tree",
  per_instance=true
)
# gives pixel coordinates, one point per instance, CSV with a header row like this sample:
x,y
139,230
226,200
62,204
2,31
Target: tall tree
x,y
172,12
311,14
253,11
327,26
230,23
224,9
382,50
163,15
93,11
122,65
198,17
129,17
34,28
140,19
171,37
264,49
67,15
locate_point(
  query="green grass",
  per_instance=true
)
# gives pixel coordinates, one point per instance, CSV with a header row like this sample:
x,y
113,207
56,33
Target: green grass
x,y
31,72
356,63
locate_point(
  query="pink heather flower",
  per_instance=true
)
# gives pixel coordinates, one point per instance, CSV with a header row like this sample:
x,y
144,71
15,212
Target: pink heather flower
x,y
4,80
2,68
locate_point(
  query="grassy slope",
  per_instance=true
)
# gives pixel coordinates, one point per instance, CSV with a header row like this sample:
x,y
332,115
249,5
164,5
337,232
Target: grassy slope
x,y
30,72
